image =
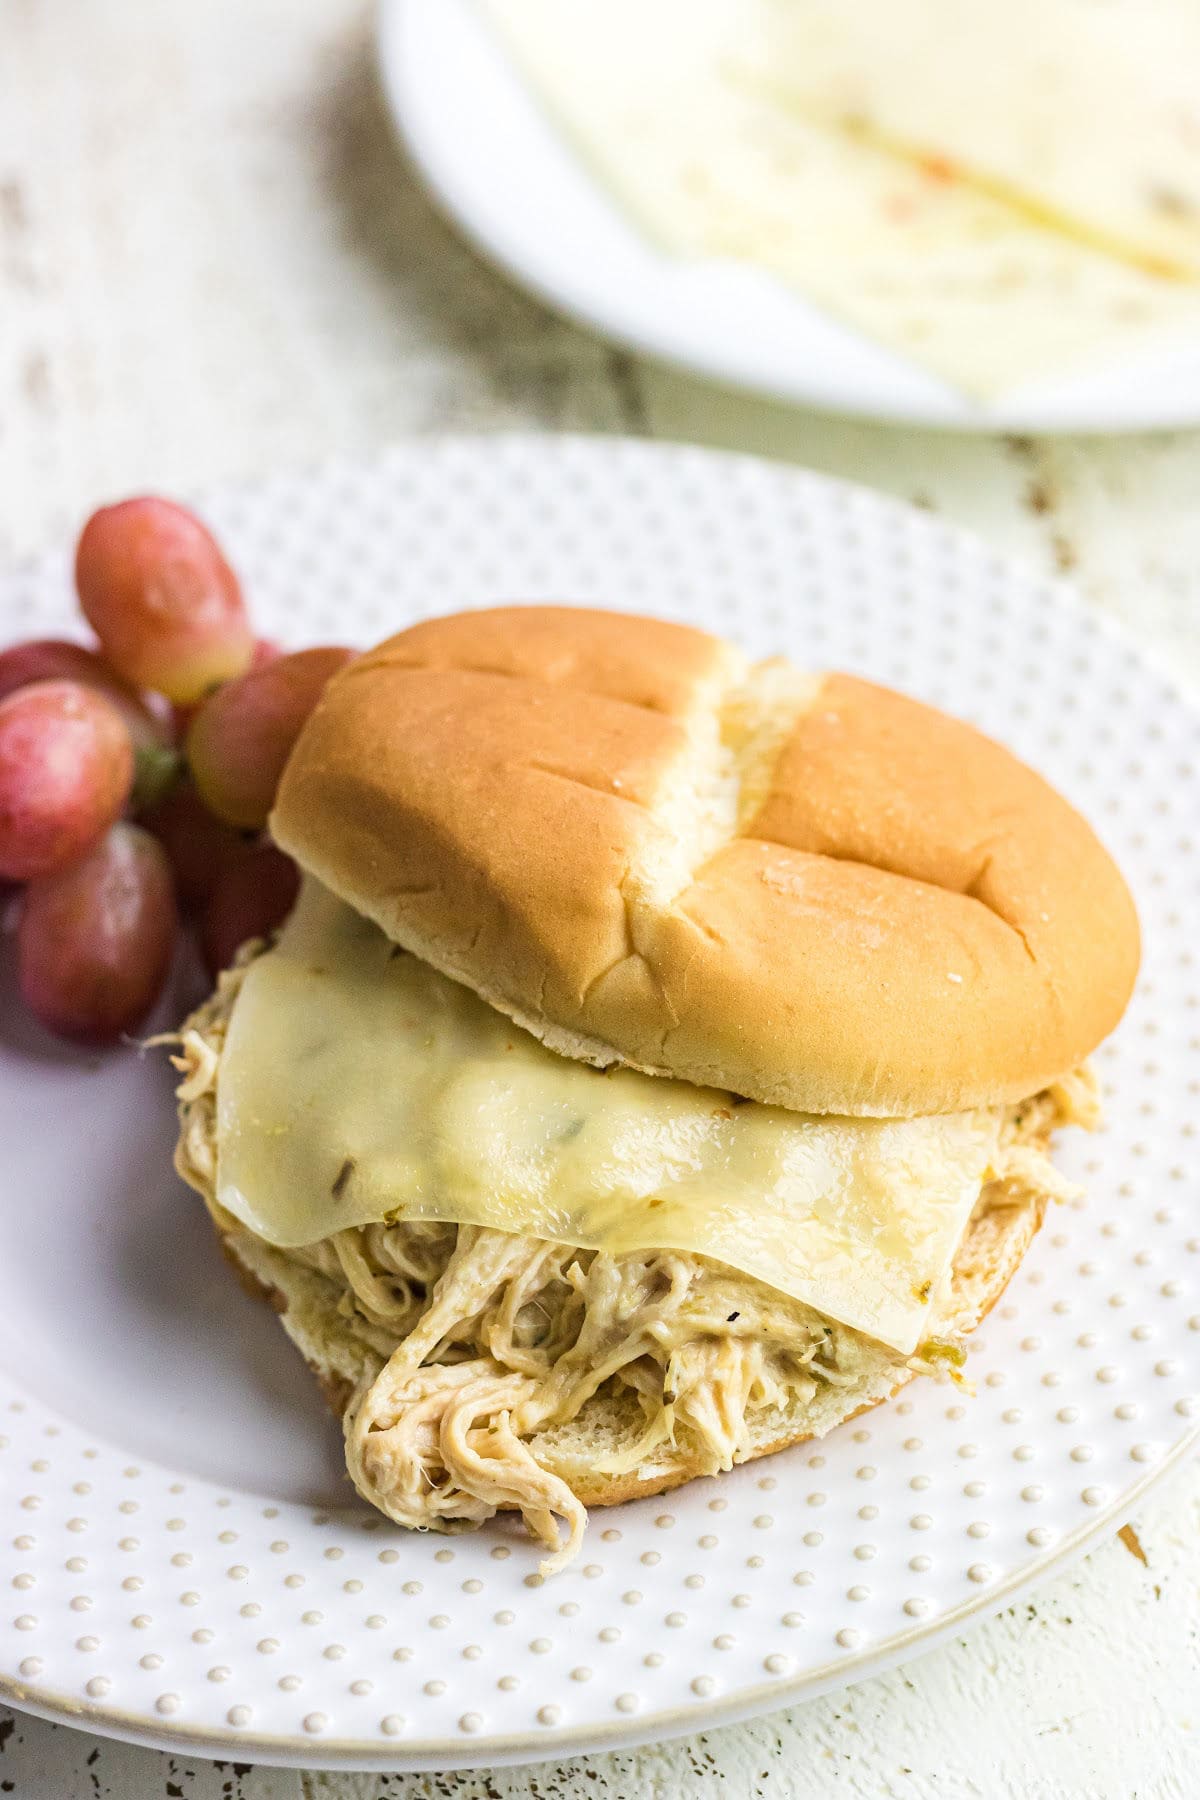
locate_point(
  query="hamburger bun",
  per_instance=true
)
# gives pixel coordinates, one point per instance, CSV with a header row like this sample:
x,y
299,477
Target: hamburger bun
x,y
645,848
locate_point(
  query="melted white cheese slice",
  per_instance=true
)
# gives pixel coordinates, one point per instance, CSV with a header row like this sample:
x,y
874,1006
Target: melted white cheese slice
x,y
358,1084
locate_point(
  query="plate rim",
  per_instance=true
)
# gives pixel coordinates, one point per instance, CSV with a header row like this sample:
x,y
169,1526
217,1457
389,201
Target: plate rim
x,y
428,1755
399,77
553,1743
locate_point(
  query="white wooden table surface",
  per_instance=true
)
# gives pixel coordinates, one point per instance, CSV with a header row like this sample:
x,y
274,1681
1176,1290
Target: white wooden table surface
x,y
212,263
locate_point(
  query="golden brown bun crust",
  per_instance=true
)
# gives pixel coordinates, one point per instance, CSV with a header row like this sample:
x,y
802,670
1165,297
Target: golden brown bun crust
x,y
643,848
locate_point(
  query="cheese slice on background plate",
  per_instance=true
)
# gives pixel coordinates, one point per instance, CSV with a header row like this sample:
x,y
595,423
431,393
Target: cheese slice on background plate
x,y
359,1084
675,106
1087,111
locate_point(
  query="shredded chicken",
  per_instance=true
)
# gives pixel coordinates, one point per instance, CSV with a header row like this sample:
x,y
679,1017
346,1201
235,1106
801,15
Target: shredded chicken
x,y
480,1339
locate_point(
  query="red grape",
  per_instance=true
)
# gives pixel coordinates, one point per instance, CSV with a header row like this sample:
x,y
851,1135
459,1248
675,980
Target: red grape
x,y
265,651
253,896
94,942
161,598
66,768
199,846
155,764
53,659
242,736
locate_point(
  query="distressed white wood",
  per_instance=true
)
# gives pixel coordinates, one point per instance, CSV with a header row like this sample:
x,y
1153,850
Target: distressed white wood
x,y
212,263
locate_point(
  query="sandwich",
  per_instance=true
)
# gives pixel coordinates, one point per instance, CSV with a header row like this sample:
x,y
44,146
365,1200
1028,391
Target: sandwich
x,y
659,1065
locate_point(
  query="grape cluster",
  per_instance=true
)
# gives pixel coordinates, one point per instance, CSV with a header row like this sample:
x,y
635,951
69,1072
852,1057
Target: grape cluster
x,y
137,773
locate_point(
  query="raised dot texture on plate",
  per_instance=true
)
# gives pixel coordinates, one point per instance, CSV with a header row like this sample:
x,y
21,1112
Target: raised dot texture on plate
x,y
797,565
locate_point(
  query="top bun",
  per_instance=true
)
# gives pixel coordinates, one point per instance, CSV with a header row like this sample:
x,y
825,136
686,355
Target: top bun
x,y
645,848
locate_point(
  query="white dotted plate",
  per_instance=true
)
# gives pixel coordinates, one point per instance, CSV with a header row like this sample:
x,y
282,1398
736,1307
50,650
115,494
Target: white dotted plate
x,y
183,1561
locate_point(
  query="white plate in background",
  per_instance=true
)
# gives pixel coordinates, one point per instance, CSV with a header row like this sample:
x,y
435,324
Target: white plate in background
x,y
512,181
184,1564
